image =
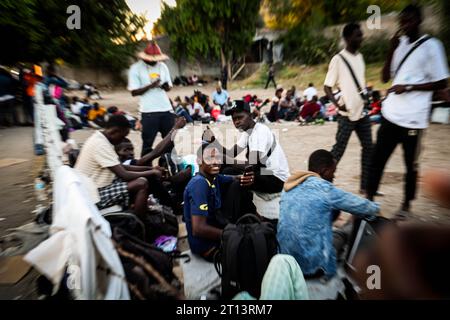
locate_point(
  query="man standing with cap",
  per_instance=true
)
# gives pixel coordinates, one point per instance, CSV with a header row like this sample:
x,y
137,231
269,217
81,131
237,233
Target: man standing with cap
x,y
149,78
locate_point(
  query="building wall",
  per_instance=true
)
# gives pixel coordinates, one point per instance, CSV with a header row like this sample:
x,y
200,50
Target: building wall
x,y
96,76
209,69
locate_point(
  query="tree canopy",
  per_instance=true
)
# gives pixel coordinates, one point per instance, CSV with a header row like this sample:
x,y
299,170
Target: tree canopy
x,y
287,14
211,29
34,31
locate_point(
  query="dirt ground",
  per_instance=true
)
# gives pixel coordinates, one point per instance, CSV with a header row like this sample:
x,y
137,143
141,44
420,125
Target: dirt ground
x,y
19,166
16,194
299,142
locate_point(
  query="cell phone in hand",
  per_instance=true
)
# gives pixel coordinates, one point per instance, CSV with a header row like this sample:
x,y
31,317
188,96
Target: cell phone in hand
x,y
248,170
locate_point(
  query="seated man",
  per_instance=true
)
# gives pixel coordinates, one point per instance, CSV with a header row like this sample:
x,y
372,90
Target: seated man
x,y
310,111
287,106
272,115
199,110
220,97
80,109
308,206
116,184
202,202
181,110
266,164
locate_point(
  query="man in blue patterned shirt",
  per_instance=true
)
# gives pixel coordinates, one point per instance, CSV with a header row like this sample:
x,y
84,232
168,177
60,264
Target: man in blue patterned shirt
x,y
308,207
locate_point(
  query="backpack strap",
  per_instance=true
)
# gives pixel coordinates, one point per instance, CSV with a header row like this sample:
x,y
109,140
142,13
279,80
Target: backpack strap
x,y
260,248
355,80
418,44
231,255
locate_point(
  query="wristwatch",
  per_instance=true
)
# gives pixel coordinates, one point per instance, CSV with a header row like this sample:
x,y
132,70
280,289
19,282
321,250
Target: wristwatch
x,y
409,88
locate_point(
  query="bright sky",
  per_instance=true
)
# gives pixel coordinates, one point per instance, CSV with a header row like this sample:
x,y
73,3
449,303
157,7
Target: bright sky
x,y
151,9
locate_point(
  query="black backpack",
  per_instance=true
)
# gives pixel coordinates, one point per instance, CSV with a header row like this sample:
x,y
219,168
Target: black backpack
x,y
246,250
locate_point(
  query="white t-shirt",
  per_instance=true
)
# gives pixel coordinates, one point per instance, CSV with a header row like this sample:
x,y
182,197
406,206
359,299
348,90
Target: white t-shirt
x,y
340,76
198,106
76,107
309,93
141,75
190,109
428,63
96,156
261,140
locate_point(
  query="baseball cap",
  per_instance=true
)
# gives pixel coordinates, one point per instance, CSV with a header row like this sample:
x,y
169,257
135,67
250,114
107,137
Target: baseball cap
x,y
238,106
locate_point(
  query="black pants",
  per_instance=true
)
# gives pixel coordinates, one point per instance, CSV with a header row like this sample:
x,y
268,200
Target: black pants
x,y
28,107
152,123
389,135
363,130
238,200
271,79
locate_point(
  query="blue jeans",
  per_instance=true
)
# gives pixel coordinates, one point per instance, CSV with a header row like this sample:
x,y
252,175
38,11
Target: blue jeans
x,y
186,115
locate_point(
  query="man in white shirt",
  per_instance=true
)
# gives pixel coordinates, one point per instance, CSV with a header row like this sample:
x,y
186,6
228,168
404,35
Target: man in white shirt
x,y
416,75
351,104
310,92
266,166
149,78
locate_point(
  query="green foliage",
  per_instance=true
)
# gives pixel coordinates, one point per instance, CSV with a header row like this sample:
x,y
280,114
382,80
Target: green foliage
x,y
305,45
208,28
444,8
36,30
375,49
290,13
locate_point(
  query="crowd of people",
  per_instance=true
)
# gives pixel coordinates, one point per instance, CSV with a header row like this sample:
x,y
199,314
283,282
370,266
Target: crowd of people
x,y
214,188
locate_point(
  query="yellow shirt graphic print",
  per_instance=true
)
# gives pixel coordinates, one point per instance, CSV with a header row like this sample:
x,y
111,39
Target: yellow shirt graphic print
x,y
203,207
154,75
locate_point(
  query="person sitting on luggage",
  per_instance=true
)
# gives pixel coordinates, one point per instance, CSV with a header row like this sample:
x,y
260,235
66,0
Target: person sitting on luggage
x,y
308,206
115,183
203,201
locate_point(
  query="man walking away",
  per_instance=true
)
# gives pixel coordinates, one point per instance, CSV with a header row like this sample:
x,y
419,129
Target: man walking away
x,y
271,77
347,71
418,65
